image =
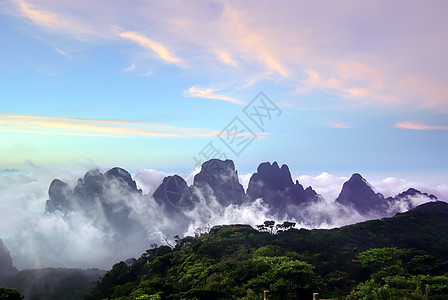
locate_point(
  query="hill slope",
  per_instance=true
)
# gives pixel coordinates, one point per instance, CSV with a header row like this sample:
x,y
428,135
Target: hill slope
x,y
239,262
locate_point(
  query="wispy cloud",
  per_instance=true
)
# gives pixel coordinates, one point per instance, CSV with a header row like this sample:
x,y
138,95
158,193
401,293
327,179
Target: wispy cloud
x,y
146,74
394,67
130,68
339,125
419,126
52,20
95,127
251,41
225,57
68,56
209,93
147,43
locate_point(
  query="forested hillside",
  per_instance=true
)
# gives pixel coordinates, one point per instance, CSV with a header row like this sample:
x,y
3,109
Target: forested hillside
x,y
405,256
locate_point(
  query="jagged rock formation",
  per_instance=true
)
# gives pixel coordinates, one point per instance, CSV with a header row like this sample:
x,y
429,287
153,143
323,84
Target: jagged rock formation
x,y
358,193
408,200
173,193
218,179
110,196
60,197
277,189
6,267
96,195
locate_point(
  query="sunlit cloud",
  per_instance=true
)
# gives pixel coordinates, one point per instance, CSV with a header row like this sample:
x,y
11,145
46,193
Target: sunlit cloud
x,y
96,127
130,68
251,41
419,126
209,93
226,58
52,20
300,53
339,125
257,78
68,56
146,74
357,92
147,43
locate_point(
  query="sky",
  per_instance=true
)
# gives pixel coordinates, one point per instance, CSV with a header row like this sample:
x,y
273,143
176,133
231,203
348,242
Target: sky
x,y
347,86
327,87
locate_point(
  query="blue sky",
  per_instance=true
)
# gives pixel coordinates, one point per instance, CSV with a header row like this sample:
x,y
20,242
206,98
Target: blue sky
x,y
361,85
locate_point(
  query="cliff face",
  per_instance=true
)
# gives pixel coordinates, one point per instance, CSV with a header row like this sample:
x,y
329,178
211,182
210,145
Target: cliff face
x,y
275,186
6,267
358,193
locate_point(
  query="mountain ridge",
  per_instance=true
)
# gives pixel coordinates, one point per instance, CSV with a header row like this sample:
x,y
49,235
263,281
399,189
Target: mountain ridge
x,y
217,185
231,261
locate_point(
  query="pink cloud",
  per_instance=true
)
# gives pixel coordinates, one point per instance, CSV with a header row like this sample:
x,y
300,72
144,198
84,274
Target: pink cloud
x,y
419,126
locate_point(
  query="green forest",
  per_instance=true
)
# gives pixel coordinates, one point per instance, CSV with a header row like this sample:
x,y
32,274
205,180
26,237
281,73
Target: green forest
x,y
403,257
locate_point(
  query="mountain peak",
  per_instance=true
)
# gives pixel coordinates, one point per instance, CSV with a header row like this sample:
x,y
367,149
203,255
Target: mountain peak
x,y
356,176
219,178
6,267
275,186
414,192
122,175
358,193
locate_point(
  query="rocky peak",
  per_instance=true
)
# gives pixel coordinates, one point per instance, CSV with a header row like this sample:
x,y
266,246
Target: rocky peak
x,y
274,177
411,192
219,178
358,193
60,195
173,193
123,176
6,267
275,186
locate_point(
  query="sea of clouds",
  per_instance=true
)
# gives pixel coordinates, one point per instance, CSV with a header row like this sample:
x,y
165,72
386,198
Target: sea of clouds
x,y
37,239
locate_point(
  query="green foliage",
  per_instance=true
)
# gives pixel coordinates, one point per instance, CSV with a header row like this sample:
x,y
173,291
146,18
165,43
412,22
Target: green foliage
x,y
404,257
269,250
285,226
10,294
284,277
392,276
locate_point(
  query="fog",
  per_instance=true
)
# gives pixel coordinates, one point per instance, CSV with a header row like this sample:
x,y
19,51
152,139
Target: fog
x,y
86,238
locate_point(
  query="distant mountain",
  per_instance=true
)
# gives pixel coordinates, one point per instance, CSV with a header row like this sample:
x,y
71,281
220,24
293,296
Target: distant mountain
x,y
108,199
6,267
216,182
173,194
358,193
101,197
275,186
408,200
52,283
218,179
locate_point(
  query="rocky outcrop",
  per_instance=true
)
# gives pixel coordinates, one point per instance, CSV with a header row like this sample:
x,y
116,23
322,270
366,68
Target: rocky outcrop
x,y
275,186
358,193
6,267
218,180
173,193
60,195
104,198
408,200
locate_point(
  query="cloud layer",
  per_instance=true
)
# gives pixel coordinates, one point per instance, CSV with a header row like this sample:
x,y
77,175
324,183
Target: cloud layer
x,y
94,127
39,239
